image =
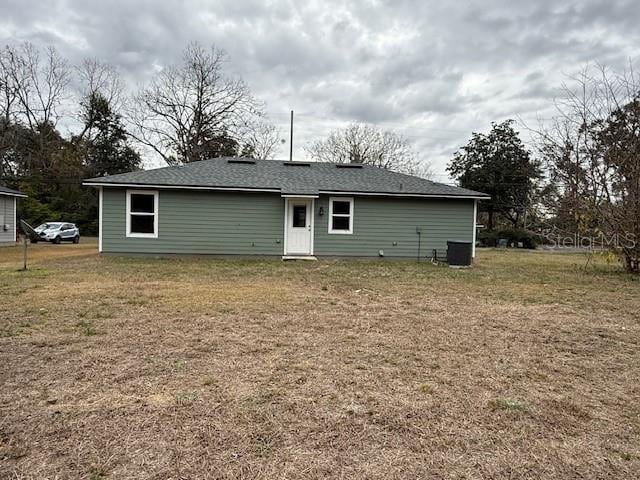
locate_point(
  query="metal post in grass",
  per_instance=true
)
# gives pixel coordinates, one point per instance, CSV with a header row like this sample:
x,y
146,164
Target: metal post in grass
x,y
24,252
27,232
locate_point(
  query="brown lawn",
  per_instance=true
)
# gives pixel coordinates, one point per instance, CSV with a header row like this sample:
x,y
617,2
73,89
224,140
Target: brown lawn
x,y
526,366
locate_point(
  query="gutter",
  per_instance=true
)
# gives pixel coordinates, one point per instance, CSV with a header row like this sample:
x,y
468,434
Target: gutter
x,y
273,190
419,195
178,187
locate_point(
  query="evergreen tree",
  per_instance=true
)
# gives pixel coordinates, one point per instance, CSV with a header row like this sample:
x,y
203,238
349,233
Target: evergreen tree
x,y
106,145
499,165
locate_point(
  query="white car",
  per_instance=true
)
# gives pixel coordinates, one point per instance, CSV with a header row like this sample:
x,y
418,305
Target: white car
x,y
56,232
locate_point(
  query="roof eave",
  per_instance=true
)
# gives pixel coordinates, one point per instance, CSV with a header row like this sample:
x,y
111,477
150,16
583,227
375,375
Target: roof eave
x,y
17,195
408,194
90,183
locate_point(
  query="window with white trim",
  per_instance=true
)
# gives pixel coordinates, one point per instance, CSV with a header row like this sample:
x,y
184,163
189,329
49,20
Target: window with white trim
x,y
142,213
341,215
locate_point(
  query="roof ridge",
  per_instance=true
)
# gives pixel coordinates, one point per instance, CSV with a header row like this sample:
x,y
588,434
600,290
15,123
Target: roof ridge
x,y
226,158
279,160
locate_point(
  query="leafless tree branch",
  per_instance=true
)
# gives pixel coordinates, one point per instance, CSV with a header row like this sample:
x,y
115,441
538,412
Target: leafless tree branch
x,y
33,87
260,139
361,143
185,107
97,79
592,149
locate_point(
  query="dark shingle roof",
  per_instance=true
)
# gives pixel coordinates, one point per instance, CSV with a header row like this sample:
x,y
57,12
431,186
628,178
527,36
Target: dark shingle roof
x,y
293,179
11,192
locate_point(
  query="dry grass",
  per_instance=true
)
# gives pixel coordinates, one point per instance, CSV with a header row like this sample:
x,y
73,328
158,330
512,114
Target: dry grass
x,y
526,366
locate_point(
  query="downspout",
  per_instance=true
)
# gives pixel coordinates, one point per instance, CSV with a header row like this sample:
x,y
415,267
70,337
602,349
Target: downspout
x,y
475,229
100,201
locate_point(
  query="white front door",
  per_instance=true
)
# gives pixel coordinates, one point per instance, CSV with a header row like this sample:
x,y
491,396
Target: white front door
x,y
299,225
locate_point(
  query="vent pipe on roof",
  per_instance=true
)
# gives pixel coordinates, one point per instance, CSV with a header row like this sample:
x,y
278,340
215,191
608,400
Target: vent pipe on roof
x,y
291,140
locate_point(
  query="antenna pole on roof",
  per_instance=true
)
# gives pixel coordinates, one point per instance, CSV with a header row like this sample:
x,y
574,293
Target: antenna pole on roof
x,y
291,140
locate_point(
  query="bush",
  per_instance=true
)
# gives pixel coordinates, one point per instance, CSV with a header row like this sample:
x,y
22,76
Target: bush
x,y
513,237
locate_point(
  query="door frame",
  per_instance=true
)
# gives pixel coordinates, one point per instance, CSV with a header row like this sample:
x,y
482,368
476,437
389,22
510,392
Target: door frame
x,y
311,212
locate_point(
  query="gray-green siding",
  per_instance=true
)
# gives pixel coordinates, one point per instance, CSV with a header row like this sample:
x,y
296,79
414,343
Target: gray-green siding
x,y
7,220
389,224
237,223
198,222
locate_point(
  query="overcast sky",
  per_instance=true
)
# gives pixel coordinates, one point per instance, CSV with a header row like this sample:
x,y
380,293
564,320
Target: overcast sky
x,y
431,72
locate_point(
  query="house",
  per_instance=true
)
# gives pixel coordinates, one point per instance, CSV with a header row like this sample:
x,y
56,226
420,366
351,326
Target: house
x,y
238,206
8,217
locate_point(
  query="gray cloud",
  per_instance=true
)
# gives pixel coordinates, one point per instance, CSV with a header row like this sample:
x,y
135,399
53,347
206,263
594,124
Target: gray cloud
x,y
431,71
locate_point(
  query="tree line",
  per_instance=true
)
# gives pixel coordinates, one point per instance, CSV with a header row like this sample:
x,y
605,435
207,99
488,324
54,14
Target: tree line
x,y
579,183
61,123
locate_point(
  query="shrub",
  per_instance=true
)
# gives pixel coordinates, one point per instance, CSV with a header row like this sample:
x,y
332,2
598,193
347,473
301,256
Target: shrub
x,y
513,237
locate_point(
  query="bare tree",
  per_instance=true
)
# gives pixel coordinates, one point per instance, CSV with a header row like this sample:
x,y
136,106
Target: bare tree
x,y
593,148
8,99
261,140
97,80
34,86
103,78
8,93
187,108
362,143
569,184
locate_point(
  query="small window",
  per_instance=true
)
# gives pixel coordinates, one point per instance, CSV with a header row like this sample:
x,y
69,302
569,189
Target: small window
x,y
341,215
299,216
142,213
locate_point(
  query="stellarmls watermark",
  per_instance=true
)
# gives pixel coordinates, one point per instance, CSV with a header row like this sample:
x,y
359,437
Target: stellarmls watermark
x,y
598,241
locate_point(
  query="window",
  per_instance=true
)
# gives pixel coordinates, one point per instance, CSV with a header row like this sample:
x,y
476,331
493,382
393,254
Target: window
x,y
341,215
142,213
299,216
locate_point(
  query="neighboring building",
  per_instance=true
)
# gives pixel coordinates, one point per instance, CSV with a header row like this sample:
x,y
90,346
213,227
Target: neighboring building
x,y
237,206
8,219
